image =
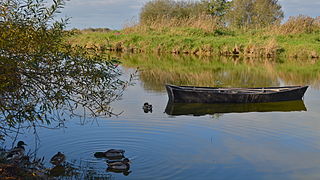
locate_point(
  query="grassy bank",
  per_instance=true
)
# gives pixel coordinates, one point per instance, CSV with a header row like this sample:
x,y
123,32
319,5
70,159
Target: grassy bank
x,y
193,40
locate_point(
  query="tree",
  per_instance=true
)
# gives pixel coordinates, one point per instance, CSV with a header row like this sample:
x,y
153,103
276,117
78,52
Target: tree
x,y
44,81
217,8
267,12
41,76
254,13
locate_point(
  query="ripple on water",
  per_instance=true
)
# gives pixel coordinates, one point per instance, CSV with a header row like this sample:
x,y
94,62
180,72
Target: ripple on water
x,y
147,145
272,127
173,148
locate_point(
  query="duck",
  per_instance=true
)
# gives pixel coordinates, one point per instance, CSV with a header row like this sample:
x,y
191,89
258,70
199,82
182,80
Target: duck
x,y
57,171
110,154
17,152
147,107
119,166
58,159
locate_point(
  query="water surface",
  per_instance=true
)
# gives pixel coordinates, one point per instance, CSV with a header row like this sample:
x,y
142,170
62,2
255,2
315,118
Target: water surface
x,y
277,141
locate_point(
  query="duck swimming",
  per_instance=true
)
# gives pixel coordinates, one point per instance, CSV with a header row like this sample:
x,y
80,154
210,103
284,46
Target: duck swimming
x,y
58,159
110,154
17,152
147,107
121,166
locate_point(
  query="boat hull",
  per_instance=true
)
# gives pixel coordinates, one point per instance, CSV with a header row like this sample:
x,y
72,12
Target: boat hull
x,y
190,94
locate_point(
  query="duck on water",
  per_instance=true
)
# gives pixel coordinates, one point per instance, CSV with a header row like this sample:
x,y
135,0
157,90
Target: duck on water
x,y
17,152
110,154
147,107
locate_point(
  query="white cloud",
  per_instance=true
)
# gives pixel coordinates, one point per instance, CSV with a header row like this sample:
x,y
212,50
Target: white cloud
x,y
103,2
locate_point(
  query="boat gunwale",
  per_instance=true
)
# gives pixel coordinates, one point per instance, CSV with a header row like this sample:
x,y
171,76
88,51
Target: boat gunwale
x,y
228,90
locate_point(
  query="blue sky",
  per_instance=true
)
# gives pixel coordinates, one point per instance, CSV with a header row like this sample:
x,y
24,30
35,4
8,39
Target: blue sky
x,y
115,14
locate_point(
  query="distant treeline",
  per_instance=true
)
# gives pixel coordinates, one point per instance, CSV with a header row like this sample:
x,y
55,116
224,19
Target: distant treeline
x,y
236,14
91,30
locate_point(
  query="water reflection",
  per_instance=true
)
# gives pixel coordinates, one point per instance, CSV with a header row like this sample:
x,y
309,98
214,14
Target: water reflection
x,y
45,93
158,70
42,93
119,166
195,109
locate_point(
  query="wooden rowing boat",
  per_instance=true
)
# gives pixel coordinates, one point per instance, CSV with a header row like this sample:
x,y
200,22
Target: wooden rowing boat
x,y
199,109
193,94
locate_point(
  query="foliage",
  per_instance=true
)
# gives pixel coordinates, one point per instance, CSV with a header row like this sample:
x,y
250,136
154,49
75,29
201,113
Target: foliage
x,y
27,30
254,13
236,13
217,8
41,77
168,9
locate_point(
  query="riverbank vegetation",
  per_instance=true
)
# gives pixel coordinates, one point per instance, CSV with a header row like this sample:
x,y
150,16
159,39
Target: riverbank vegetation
x,y
212,27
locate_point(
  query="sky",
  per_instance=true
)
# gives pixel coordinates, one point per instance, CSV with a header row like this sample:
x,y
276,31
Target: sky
x,y
116,14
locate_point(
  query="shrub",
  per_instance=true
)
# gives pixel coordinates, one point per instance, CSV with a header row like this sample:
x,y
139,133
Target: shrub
x,y
254,13
299,24
169,9
204,22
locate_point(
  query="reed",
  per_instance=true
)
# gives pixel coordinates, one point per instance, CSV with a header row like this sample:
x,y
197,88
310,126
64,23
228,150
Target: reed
x,y
298,25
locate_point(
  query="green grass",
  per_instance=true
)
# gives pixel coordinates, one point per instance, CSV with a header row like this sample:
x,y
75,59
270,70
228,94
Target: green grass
x,y
198,41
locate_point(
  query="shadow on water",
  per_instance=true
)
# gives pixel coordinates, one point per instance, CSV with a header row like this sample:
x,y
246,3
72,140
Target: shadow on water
x,y
47,94
195,109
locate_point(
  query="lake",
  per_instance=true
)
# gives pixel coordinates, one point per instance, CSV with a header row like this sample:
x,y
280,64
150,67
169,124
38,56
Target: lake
x,y
282,142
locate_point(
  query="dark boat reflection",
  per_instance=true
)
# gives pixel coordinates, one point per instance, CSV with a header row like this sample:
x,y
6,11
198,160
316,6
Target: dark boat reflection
x,y
196,109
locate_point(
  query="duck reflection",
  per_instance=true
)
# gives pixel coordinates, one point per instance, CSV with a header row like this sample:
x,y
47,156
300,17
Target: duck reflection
x,y
58,159
116,162
59,168
119,166
65,170
196,109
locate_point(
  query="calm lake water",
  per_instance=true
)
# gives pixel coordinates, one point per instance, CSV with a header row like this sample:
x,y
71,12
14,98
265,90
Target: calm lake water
x,y
280,143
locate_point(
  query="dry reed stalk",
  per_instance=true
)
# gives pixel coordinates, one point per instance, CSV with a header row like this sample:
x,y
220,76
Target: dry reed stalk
x,y
271,48
298,24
